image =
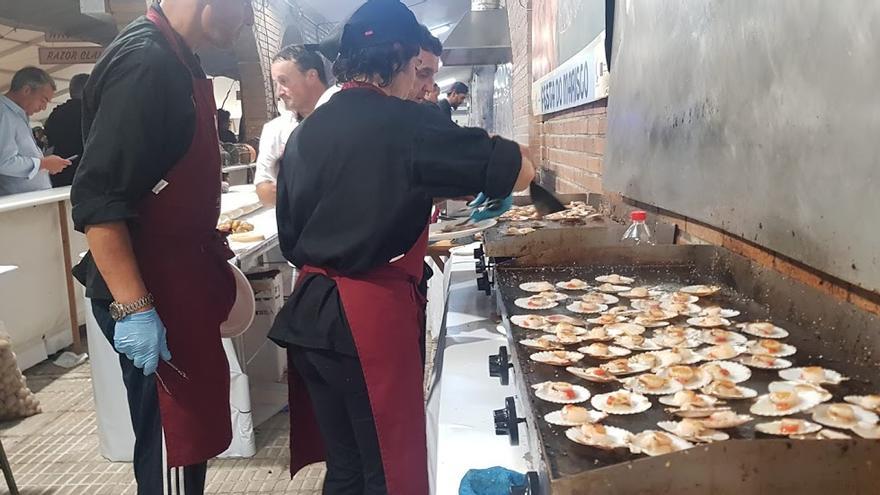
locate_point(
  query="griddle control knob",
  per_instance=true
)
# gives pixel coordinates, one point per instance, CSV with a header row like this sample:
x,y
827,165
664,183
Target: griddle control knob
x,y
480,266
507,422
484,284
532,486
478,252
499,365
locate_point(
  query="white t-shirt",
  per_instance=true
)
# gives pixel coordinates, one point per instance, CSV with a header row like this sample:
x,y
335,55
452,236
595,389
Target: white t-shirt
x,y
274,138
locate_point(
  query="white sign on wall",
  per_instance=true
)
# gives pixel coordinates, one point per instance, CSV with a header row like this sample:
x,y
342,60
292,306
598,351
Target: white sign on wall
x,y
579,80
70,55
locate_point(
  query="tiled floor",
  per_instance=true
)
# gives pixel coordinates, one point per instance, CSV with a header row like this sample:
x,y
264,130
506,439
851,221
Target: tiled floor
x,y
56,452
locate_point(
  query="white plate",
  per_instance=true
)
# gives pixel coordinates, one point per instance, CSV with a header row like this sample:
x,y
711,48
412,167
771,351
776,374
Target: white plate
x,y
589,374
736,372
744,393
727,337
720,352
726,420
435,231
670,400
633,368
754,347
536,343
763,407
864,401
613,289
638,403
670,387
614,352
521,321
722,312
678,443
523,302
871,432
751,361
611,279
566,285
862,416
548,356
794,374
700,290
605,298
706,435
650,322
646,345
618,436
705,322
772,333
774,428
810,391
617,329
555,418
575,307
542,286
581,395
699,380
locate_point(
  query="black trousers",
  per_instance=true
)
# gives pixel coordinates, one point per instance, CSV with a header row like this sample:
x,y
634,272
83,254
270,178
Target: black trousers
x,y
342,406
153,477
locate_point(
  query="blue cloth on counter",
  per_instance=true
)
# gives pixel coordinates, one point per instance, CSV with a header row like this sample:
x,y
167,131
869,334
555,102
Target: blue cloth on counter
x,y
491,481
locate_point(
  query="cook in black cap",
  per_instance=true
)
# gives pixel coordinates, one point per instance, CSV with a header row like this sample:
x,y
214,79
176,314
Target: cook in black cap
x,y
355,190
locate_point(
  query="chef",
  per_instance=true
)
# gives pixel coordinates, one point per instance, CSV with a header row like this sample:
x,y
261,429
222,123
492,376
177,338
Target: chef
x,y
354,196
147,196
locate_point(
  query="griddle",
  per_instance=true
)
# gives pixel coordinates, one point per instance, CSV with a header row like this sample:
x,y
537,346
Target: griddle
x,y
826,332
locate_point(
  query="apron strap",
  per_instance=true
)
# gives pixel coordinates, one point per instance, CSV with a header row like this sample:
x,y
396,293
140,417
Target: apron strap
x,y
158,18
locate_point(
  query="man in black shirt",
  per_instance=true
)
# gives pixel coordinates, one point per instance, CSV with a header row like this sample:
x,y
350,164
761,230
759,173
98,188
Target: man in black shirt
x,y
457,94
147,196
64,130
224,127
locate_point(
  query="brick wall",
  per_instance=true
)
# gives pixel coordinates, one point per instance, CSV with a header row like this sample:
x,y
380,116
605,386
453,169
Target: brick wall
x,y
518,16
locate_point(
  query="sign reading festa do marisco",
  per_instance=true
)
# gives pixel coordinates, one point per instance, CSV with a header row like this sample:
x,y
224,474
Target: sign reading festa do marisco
x,y
575,82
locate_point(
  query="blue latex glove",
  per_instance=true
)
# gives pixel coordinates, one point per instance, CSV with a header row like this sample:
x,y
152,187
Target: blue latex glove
x,y
479,200
491,481
499,209
141,337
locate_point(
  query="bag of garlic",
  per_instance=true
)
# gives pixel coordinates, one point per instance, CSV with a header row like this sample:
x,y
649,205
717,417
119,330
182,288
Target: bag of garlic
x,y
16,399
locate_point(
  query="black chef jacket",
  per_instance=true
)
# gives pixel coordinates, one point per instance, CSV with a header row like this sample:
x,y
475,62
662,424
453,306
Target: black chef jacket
x,y
139,116
64,132
446,108
355,190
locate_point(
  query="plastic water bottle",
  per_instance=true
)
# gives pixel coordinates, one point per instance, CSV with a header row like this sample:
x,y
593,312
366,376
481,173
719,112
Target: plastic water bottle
x,y
638,233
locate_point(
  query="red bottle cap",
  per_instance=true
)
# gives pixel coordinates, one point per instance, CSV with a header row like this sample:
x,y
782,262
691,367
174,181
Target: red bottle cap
x,y
638,216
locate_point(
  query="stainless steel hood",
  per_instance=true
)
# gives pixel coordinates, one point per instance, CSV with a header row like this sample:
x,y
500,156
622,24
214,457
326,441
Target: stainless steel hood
x,y
482,37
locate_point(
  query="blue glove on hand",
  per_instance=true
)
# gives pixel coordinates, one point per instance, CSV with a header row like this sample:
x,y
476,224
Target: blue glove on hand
x,y
492,208
479,200
141,337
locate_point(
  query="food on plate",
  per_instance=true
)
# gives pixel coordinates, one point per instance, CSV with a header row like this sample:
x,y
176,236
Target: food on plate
x,y
573,284
693,430
728,389
841,413
682,297
764,329
625,329
547,342
725,419
530,322
621,402
558,390
235,227
535,302
681,374
615,279
720,352
813,374
689,398
598,298
604,351
723,370
557,319
247,237
650,381
653,443
557,358
709,321
592,374
598,333
788,426
783,400
606,319
771,347
575,414
869,402
541,286
612,288
586,307
718,336
701,290
619,399
647,359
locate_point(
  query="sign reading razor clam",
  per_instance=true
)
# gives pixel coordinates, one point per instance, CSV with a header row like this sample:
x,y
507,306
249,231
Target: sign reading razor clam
x,y
70,55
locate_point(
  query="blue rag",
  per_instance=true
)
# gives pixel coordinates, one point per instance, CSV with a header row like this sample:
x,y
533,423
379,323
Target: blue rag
x,y
492,481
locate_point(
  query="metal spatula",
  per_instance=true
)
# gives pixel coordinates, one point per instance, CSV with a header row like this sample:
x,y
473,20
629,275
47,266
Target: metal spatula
x,y
545,202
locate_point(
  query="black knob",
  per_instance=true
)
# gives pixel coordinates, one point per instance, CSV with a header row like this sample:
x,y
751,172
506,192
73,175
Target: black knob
x,y
507,422
499,365
484,284
478,252
480,266
531,487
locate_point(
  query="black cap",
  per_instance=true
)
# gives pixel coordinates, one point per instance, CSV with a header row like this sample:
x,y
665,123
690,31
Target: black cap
x,y
376,22
460,88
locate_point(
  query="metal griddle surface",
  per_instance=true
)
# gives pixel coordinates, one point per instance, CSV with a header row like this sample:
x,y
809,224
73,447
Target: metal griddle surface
x,y
564,457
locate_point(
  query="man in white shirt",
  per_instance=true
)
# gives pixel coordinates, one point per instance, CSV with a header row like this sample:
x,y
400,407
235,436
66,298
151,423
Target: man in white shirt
x,y
23,168
301,80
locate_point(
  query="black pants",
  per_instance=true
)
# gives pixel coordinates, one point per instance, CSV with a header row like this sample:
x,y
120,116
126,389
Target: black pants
x,y
153,478
339,396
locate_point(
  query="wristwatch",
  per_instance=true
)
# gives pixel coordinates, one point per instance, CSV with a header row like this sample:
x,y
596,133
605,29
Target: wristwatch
x,y
119,311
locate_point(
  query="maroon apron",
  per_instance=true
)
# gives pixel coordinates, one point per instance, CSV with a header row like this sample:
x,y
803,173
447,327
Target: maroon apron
x,y
183,260
385,312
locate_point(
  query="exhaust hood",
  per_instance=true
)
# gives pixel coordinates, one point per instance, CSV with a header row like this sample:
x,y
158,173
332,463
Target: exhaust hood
x,y
482,37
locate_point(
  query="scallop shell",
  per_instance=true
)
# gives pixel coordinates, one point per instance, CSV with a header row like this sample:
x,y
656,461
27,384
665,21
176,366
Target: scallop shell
x,y
670,387
721,352
862,416
615,279
794,374
572,285
871,432
590,375
613,289
718,311
576,307
670,400
554,328
753,347
727,420
696,412
522,322
605,298
688,309
557,319
706,435
637,444
542,286
555,418
764,407
685,356
638,403
668,342
646,345
614,352
581,395
624,329
810,391
774,428
698,381
823,434
537,343
633,368
649,322
619,436
600,321
737,373
548,357
708,322
523,302
752,329
651,293
728,337
744,392
700,290
750,361
691,299
869,402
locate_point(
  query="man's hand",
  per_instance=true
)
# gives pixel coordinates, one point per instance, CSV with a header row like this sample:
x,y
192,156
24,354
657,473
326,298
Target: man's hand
x,y
141,337
492,209
54,164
